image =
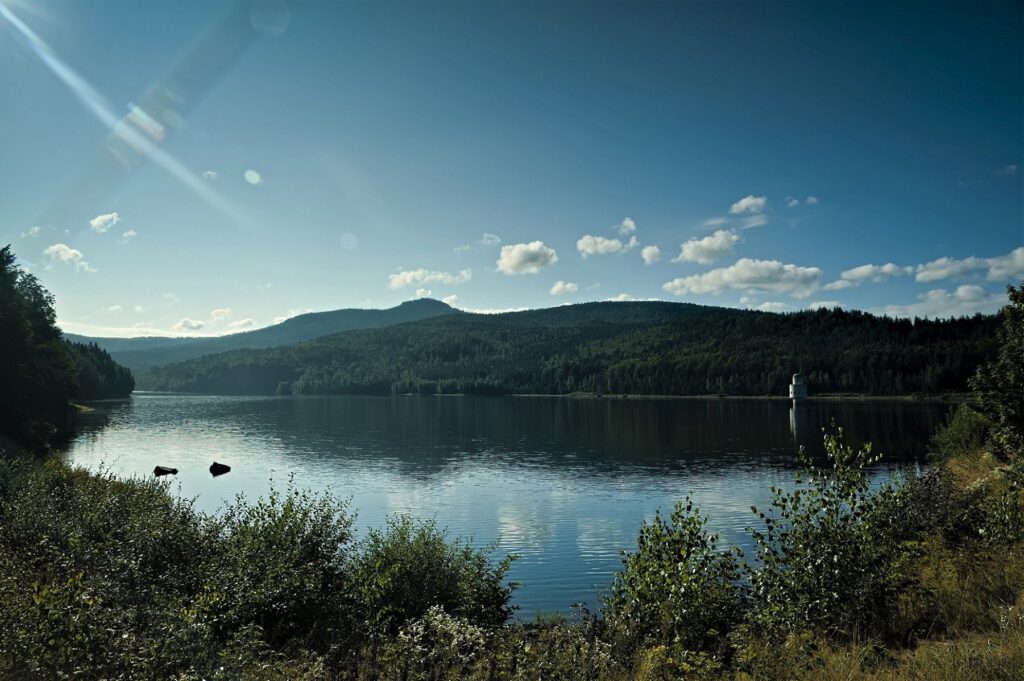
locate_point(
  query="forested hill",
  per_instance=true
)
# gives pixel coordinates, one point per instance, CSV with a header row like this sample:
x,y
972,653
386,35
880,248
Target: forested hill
x,y
635,348
39,370
142,353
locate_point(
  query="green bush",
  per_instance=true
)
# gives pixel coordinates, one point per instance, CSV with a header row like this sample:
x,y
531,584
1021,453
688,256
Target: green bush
x,y
965,432
829,560
409,566
94,570
999,384
283,567
678,589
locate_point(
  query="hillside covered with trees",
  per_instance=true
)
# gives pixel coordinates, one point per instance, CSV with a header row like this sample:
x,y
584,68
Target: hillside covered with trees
x,y
144,352
40,371
651,348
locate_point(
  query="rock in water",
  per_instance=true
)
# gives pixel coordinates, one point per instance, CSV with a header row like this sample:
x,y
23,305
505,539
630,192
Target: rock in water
x,y
218,469
164,470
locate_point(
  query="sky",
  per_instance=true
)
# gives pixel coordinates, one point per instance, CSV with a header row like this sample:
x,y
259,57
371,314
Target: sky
x,y
199,168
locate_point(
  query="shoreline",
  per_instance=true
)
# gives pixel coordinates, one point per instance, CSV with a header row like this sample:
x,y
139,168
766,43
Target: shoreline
x,y
826,397
951,398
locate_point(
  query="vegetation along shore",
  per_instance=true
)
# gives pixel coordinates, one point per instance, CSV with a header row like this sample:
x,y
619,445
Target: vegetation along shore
x,y
921,578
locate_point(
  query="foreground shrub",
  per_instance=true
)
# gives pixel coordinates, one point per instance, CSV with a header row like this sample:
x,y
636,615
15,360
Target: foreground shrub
x,y
678,589
437,647
93,568
966,431
829,561
409,566
283,567
999,384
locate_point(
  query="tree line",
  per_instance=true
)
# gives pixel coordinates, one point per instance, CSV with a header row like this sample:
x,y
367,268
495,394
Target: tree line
x,y
617,348
41,371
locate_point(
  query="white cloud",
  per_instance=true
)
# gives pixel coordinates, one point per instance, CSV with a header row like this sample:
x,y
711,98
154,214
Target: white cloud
x,y
128,236
751,275
31,232
752,221
1000,268
627,226
102,223
489,239
791,202
1006,267
187,324
171,298
749,204
423,292
65,254
811,200
562,287
450,300
462,249
423,276
526,258
946,268
1008,170
114,308
773,306
589,245
708,249
827,304
715,222
210,174
875,273
629,298
138,309
965,300
864,273
650,254
242,324
220,314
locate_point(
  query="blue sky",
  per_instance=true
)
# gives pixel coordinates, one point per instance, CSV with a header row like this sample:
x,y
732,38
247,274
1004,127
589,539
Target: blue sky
x,y
315,156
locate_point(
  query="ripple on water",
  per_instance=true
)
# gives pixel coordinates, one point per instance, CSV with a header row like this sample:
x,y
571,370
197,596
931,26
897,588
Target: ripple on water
x,y
565,484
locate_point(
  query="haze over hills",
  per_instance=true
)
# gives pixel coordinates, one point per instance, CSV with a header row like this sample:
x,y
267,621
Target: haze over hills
x,y
144,352
622,347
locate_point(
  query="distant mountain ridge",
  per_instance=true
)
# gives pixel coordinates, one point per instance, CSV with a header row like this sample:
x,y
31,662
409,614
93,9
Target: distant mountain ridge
x,y
639,348
145,352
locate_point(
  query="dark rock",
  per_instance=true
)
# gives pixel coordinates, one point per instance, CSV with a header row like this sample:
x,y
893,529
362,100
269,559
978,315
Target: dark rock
x,y
219,469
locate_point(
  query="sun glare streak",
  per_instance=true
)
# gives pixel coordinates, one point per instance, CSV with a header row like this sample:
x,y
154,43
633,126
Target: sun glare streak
x,y
124,128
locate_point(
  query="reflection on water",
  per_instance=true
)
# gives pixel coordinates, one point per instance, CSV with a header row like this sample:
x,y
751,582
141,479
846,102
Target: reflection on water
x,y
565,483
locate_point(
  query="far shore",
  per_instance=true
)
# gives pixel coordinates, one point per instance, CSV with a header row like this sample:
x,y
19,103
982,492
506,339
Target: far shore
x,y
823,397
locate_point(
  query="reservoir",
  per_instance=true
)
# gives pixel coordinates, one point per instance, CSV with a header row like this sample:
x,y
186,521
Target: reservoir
x,y
563,482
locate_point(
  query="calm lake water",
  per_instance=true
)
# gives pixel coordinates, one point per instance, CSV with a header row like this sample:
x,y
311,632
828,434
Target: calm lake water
x,y
563,482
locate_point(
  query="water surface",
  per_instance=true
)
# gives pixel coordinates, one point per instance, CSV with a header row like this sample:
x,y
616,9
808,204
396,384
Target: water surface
x,y
563,482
